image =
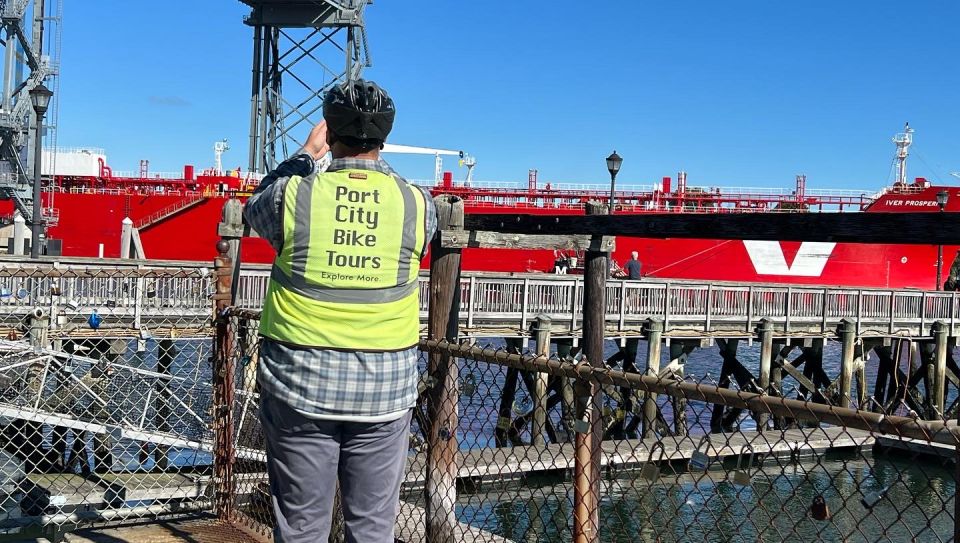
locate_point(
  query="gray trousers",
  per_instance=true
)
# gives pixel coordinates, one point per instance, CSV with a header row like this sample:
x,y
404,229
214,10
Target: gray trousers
x,y
305,457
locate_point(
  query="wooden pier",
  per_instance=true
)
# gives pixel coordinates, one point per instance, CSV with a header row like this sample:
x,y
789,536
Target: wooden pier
x,y
504,464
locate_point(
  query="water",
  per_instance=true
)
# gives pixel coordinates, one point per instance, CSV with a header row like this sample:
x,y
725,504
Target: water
x,y
917,506
479,405
681,508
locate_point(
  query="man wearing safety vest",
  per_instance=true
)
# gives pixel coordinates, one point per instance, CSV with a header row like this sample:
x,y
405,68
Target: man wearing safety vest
x,y
340,324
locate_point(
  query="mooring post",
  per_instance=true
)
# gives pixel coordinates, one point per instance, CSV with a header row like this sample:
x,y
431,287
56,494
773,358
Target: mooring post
x,y
223,386
126,237
586,493
765,333
441,476
940,336
848,336
542,337
653,331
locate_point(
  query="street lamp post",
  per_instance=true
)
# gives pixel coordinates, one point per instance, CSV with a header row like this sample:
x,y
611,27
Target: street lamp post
x,y
942,202
40,99
613,166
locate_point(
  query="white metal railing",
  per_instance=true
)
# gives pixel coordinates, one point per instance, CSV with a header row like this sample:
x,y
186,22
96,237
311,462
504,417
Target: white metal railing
x,y
79,150
516,301
512,302
150,175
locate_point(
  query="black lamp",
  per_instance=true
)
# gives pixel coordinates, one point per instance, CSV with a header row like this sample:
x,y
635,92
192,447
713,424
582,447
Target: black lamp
x,y
942,197
613,166
40,98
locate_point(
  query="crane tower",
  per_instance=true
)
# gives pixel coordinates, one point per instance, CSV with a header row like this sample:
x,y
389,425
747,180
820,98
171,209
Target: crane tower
x,y
31,56
300,49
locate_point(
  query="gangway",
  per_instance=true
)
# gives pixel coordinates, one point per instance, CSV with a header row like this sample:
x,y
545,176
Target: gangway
x,y
112,400
169,211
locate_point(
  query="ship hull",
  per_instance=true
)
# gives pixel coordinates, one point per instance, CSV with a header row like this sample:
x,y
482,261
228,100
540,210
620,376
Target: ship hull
x,y
90,225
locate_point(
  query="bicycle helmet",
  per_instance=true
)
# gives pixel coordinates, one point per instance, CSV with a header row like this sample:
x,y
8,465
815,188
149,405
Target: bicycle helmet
x,y
359,113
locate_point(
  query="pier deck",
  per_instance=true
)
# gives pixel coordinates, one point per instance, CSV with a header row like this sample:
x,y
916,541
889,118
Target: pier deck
x,y
516,462
410,527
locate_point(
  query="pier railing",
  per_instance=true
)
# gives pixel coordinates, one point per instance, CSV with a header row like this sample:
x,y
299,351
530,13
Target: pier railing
x,y
490,304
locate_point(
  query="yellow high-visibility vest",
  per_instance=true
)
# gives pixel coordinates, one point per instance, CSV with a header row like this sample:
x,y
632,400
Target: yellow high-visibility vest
x,y
346,276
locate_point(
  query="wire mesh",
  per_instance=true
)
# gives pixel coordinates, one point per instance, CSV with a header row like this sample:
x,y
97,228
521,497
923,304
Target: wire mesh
x,y
688,453
105,403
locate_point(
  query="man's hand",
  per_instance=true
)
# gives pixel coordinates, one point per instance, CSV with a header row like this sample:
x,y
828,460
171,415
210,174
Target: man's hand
x,y
316,145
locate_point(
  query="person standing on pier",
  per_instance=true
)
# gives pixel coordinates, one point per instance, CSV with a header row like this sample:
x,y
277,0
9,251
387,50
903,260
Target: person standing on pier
x,y
340,324
633,266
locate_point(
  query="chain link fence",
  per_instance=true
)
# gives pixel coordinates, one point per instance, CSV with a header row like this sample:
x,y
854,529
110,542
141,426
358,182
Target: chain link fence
x,y
105,394
683,456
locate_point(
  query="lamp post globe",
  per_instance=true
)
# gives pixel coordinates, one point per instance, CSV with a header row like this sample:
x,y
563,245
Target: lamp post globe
x,y
613,166
40,100
942,197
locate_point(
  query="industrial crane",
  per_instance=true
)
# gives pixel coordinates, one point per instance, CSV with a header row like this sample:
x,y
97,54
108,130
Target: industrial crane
x,y
465,159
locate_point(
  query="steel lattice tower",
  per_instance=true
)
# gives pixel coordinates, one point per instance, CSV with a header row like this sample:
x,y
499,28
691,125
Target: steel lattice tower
x,y
27,62
300,49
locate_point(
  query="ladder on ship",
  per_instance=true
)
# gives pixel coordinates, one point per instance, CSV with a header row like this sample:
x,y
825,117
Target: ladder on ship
x,y
169,211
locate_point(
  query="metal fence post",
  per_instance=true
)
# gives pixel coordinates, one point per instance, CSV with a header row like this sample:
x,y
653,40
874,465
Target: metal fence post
x,y
444,310
223,387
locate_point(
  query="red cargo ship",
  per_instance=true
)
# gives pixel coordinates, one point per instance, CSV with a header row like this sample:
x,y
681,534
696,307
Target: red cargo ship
x,y
176,217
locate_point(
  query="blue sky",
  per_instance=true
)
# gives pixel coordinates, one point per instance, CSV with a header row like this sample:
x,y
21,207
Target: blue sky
x,y
736,93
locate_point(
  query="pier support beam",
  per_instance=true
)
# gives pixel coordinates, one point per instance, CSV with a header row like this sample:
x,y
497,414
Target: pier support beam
x,y
848,335
653,331
765,334
940,336
680,350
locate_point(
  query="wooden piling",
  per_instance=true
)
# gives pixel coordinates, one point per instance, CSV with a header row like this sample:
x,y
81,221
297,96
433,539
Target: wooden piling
x,y
848,335
542,338
765,334
586,494
653,331
886,371
679,351
776,377
940,336
441,472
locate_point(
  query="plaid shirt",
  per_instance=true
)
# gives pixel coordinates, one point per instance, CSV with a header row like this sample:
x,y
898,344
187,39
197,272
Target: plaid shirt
x,y
325,383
